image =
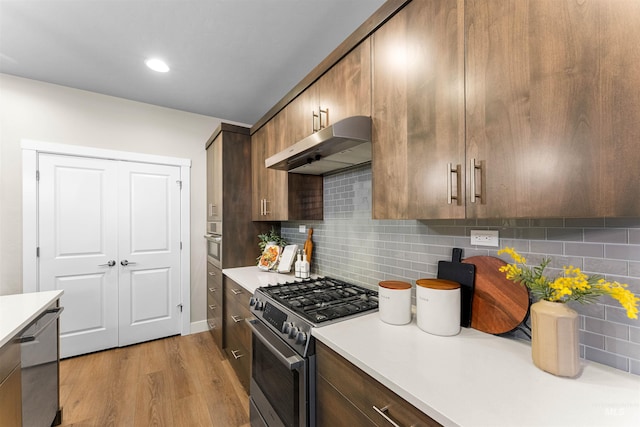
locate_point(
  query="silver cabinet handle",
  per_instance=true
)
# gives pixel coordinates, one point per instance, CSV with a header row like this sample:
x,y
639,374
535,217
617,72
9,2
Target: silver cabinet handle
x,y
474,167
110,263
124,263
236,354
212,325
237,319
212,306
236,291
314,116
212,289
386,417
212,273
450,171
326,116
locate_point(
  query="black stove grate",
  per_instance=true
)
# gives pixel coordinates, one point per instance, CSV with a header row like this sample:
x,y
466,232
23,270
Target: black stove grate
x,y
325,299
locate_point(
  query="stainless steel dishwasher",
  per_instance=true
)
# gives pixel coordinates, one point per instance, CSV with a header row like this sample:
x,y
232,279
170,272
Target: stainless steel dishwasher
x,y
40,370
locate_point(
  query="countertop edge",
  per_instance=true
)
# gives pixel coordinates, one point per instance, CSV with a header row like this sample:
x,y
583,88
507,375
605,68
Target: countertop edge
x,y
481,379
33,303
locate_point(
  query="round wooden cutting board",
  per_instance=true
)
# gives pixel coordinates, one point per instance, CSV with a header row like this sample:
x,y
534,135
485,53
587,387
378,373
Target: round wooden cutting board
x,y
499,305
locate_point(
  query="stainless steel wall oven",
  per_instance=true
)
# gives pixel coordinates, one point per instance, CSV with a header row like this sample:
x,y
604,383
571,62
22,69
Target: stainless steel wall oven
x,y
214,243
283,366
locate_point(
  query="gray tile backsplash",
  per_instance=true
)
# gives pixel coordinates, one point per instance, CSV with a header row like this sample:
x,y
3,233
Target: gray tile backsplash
x,y
349,245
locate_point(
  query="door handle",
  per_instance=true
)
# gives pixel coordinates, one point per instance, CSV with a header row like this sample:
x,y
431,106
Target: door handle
x,y
110,263
124,263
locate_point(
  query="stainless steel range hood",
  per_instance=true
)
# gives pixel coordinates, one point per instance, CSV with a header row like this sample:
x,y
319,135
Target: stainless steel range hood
x,y
344,144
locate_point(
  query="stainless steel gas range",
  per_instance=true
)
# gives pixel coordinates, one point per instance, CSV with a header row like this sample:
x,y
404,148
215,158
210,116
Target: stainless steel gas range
x,y
282,391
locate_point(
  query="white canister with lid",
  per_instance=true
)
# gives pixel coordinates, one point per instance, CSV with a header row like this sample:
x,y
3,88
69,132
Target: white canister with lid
x,y
394,302
438,306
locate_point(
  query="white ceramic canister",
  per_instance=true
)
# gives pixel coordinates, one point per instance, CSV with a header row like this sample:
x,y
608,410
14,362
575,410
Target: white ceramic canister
x,y
438,306
394,302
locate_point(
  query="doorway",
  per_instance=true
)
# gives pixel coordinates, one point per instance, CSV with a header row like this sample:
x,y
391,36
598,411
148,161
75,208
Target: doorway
x,y
109,232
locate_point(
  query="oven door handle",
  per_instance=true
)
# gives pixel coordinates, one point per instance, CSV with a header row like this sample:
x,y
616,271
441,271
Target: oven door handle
x,y
216,238
292,361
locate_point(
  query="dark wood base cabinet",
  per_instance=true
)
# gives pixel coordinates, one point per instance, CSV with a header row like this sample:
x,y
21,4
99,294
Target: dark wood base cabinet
x,y
10,385
237,335
346,396
215,301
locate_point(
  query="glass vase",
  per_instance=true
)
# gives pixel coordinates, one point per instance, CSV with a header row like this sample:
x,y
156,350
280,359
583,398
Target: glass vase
x,y
555,339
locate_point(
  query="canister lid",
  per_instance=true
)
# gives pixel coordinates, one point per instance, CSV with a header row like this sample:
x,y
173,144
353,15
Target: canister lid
x,y
395,284
445,285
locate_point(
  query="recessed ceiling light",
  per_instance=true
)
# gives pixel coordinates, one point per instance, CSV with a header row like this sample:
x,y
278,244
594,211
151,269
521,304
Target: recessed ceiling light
x,y
157,65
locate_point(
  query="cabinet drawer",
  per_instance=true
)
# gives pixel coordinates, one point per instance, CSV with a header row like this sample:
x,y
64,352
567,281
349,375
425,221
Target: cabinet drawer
x,y
214,280
334,410
235,324
366,393
239,357
9,358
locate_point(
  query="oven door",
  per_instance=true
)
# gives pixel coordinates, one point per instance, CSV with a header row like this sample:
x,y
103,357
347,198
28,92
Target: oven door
x,y
214,249
280,382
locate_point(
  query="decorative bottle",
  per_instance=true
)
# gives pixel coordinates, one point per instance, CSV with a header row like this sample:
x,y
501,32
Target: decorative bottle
x,y
304,267
298,264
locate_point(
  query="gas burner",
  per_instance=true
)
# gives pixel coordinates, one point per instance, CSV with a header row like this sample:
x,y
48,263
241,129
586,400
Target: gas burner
x,y
323,299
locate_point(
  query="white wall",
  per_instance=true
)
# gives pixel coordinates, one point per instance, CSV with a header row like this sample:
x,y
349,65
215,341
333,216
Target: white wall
x,y
40,111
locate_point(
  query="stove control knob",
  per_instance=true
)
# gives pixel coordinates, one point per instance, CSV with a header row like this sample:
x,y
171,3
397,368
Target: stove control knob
x,y
301,338
252,301
286,327
259,305
293,332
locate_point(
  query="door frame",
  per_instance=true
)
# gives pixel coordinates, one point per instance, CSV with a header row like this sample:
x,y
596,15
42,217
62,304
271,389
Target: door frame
x,y
30,151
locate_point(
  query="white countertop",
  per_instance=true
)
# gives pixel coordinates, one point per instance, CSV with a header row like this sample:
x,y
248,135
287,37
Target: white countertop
x,y
472,379
251,278
18,310
478,379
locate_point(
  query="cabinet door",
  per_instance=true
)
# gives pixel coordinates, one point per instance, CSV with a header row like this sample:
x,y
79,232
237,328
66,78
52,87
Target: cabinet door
x,y
299,117
269,186
214,180
553,107
345,90
418,113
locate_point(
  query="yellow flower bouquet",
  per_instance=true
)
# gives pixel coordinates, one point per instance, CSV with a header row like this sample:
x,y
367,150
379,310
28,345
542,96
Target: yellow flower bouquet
x,y
573,285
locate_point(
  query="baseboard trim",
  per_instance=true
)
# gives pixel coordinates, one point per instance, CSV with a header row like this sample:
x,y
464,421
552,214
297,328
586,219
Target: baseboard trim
x,y
199,326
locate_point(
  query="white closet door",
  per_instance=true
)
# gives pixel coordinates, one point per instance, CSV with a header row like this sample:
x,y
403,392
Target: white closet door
x,y
149,224
78,239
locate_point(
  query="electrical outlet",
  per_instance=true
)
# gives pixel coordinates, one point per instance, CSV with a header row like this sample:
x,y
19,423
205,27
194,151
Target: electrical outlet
x,y
302,229
485,238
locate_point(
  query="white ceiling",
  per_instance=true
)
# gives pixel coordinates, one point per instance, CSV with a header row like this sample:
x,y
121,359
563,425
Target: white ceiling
x,y
231,59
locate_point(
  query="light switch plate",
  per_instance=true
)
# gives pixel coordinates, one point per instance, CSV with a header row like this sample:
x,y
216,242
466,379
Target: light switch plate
x,y
485,238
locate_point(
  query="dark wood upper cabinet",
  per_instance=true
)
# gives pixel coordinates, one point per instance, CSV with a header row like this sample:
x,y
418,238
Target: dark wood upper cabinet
x,y
485,108
553,107
279,195
418,113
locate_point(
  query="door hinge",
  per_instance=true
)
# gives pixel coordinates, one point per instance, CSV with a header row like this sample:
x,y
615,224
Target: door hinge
x,y
179,184
38,252
180,245
180,307
37,175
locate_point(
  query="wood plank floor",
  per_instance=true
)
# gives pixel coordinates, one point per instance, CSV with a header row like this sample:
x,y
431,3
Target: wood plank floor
x,y
177,381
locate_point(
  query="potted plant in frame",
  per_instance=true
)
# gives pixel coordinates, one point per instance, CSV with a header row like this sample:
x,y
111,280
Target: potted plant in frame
x,y
554,325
